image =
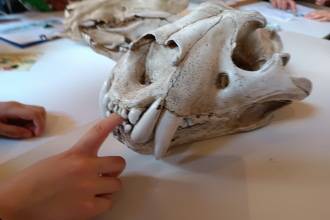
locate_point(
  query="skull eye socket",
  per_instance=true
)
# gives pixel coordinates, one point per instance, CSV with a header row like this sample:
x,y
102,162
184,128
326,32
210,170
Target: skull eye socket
x,y
254,46
222,81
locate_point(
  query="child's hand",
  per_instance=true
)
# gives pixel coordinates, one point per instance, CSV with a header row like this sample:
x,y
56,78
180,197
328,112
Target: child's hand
x,y
72,185
319,15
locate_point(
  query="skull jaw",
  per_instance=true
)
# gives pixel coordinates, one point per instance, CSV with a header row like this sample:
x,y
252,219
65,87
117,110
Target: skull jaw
x,y
254,117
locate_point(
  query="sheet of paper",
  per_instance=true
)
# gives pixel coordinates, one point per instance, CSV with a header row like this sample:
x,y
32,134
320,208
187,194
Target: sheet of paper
x,y
26,33
282,15
17,61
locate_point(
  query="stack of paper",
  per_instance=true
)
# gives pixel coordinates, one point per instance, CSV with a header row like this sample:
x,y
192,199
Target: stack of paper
x,y
27,33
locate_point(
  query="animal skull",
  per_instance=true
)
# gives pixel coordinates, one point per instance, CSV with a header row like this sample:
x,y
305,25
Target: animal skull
x,y
109,26
214,72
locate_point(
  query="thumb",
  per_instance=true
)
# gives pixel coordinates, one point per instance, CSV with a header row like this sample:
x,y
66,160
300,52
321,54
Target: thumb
x,y
93,139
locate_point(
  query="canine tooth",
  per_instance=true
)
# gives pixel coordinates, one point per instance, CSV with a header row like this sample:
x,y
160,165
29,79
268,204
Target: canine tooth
x,y
115,109
165,130
143,130
134,115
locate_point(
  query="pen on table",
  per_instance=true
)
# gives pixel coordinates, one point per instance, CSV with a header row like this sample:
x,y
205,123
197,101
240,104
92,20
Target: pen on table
x,y
46,38
297,13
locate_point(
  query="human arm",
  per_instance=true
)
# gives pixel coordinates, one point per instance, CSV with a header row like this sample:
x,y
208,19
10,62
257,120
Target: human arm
x,y
284,4
323,2
18,120
71,185
57,5
319,15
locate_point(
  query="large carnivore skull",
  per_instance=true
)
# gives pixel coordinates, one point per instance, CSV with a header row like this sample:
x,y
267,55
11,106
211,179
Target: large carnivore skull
x,y
214,72
109,26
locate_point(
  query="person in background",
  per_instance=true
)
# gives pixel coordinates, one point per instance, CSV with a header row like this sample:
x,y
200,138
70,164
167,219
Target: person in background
x,y
57,5
284,4
319,14
17,6
74,184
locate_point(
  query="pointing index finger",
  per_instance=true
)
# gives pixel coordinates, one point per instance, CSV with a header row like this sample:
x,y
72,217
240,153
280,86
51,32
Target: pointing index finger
x,y
293,6
93,139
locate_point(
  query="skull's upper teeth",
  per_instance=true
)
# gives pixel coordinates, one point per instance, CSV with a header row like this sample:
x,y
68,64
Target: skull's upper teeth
x,y
156,121
116,108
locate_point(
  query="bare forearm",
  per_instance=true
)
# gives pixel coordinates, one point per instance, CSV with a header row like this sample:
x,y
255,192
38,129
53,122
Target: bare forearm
x,y
6,200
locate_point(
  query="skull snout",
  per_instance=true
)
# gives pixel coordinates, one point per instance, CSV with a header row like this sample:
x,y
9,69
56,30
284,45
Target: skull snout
x,y
285,58
303,84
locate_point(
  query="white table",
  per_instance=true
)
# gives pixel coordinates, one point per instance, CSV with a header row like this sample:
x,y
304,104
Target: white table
x,y
277,172
302,26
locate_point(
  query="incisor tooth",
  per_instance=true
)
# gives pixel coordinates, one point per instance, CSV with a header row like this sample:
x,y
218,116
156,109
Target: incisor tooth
x,y
134,115
123,113
165,130
144,129
111,105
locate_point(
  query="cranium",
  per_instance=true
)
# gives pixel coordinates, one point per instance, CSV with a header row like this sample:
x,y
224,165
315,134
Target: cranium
x,y
111,25
214,72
